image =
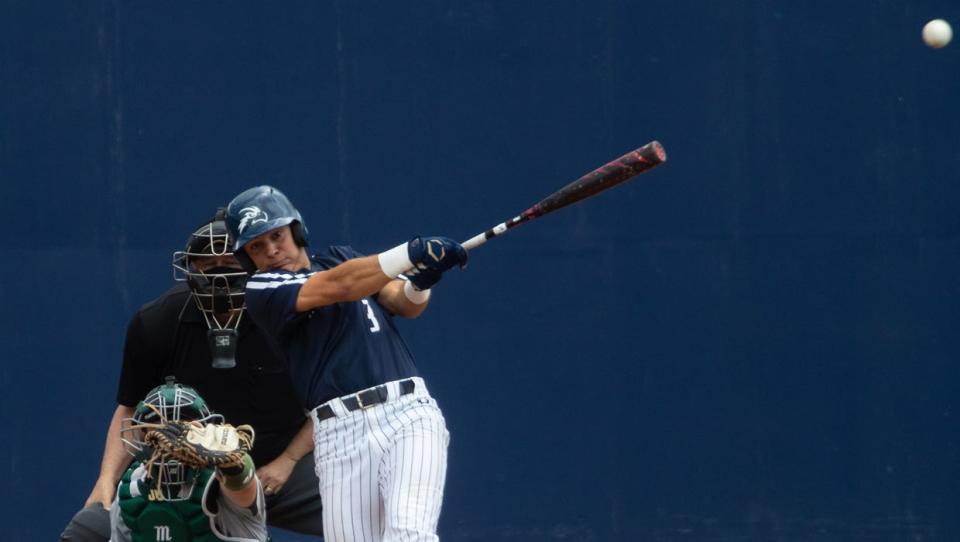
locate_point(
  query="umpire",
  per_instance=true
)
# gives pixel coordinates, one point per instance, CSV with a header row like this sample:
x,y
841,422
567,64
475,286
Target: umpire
x,y
197,332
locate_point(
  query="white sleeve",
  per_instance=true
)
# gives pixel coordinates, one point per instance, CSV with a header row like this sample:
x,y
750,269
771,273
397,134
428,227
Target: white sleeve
x,y
119,532
242,523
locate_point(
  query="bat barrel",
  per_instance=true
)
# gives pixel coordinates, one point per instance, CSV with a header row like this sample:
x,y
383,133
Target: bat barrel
x,y
626,167
634,162
653,151
605,177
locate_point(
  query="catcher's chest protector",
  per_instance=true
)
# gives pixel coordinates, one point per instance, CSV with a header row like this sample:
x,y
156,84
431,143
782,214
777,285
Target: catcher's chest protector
x,y
164,521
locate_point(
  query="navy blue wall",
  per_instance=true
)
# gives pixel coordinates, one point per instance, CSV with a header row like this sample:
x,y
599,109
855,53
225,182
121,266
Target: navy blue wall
x,y
754,342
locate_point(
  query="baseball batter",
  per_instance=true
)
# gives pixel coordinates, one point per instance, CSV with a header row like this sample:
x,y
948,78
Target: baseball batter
x,y
380,441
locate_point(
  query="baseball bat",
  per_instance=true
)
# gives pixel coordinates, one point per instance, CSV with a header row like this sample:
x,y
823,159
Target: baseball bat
x,y
603,178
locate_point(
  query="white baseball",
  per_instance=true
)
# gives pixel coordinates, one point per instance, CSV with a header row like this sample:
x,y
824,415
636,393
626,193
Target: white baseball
x,y
937,33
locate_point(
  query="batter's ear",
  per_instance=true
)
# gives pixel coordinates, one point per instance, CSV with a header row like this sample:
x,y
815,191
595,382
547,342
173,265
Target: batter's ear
x,y
299,236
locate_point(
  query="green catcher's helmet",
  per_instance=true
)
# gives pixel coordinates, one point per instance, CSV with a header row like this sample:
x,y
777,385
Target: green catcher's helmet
x,y
166,403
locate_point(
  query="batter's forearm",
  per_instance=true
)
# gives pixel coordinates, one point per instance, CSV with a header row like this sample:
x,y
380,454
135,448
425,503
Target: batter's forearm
x,y
350,281
395,297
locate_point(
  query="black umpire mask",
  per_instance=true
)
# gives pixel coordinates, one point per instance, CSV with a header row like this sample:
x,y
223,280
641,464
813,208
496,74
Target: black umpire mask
x,y
217,291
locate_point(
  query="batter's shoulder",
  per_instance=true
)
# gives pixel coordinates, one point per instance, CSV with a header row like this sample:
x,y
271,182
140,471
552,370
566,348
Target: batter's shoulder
x,y
335,254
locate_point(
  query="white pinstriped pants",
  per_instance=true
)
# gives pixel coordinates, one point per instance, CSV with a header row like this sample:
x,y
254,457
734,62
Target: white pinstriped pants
x,y
382,468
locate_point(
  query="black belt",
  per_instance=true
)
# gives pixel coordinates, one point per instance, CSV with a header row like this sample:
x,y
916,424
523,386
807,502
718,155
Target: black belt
x,y
364,399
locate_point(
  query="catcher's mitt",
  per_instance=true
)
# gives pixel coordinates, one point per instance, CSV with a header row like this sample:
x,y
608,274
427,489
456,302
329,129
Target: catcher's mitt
x,y
212,445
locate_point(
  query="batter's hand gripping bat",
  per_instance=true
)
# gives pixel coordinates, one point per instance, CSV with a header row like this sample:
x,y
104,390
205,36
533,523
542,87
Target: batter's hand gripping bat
x,y
603,178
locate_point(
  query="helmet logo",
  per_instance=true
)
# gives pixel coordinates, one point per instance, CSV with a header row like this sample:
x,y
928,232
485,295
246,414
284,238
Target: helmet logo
x,y
250,216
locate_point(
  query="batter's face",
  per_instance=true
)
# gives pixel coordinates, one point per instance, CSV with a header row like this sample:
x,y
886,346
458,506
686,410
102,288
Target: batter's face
x,y
276,249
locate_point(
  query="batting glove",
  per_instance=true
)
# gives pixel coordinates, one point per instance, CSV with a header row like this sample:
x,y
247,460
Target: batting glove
x,y
423,280
436,253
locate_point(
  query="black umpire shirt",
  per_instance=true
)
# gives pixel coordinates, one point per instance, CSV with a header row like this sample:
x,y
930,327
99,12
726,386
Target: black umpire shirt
x,y
168,336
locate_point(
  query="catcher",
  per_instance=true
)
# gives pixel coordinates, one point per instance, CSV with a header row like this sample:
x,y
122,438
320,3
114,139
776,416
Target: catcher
x,y
191,478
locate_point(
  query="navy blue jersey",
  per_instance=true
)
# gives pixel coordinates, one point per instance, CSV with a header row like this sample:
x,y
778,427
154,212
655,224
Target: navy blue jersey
x,y
333,350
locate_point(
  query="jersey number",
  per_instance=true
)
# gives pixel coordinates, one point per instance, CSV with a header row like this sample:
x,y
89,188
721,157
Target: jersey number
x,y
374,324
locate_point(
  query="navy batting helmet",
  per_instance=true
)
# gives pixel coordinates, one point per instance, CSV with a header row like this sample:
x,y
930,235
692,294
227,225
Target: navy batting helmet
x,y
258,210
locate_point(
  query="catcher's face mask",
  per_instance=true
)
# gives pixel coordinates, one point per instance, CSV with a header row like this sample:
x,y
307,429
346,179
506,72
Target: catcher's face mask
x,y
169,402
217,284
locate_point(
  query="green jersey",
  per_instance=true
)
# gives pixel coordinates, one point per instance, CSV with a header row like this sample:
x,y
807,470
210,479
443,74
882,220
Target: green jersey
x,y
205,515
